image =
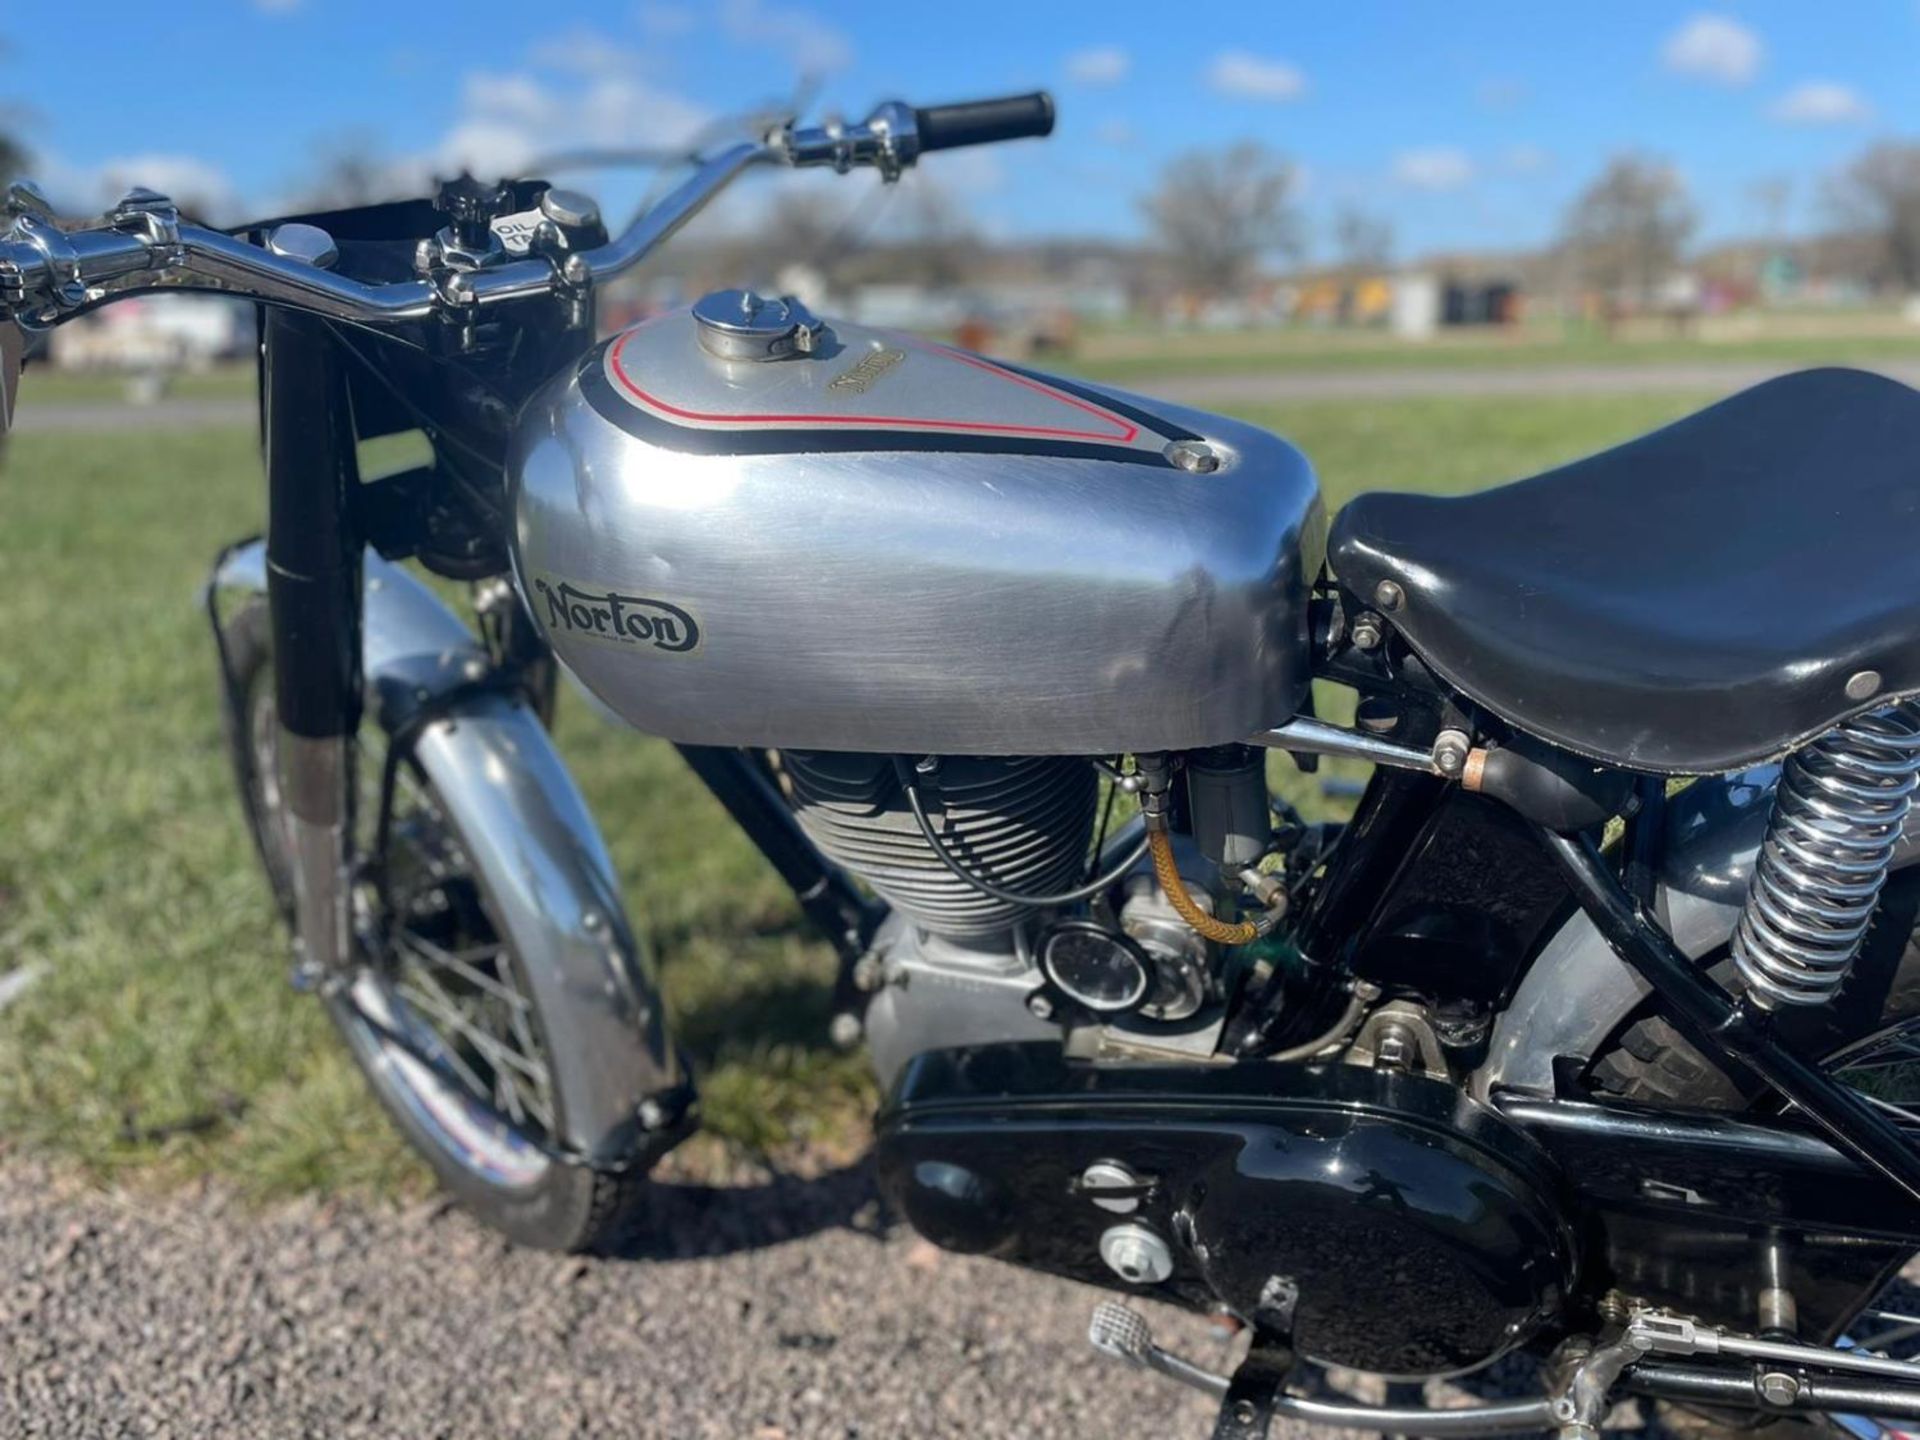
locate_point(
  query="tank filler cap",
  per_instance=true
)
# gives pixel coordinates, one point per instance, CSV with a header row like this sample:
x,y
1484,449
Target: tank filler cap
x,y
740,325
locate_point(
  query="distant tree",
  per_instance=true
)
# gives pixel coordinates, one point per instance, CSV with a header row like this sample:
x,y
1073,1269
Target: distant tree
x,y
13,154
1626,231
803,226
353,169
1361,240
1217,213
940,241
1880,193
1771,197
13,159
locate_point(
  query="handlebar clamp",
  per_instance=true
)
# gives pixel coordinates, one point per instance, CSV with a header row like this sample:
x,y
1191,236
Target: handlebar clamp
x,y
150,215
63,286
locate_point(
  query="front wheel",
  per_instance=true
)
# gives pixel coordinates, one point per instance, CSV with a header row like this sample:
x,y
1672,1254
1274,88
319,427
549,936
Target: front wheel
x,y
437,1016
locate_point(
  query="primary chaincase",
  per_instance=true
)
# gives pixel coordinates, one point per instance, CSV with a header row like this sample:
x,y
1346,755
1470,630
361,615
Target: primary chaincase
x,y
1021,824
1387,1222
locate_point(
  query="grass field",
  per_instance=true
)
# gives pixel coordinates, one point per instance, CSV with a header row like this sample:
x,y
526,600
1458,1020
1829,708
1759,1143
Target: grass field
x,y
163,1036
1131,352
44,386
1123,353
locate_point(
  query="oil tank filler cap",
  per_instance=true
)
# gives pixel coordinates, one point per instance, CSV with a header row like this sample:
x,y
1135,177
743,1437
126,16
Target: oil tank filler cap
x,y
741,325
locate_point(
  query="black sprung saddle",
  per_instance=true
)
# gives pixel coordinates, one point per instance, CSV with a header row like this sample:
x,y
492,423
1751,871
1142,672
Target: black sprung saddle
x,y
1703,598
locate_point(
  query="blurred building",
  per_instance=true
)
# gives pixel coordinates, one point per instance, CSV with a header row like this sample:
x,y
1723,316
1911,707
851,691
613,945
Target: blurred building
x,y
155,332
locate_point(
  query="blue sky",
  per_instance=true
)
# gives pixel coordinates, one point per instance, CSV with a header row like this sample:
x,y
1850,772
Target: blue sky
x,y
1465,124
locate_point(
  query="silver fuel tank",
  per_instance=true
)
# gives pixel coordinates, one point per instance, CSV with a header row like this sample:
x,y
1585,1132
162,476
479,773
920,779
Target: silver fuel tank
x,y
738,525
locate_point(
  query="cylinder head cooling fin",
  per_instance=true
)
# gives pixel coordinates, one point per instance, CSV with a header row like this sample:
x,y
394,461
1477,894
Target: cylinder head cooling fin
x,y
1022,824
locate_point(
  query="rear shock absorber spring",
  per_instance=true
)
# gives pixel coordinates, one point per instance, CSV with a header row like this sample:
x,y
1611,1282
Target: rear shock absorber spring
x,y
1837,816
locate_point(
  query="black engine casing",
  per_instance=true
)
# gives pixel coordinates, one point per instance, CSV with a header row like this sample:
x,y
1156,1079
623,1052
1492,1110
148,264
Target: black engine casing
x,y
1404,1229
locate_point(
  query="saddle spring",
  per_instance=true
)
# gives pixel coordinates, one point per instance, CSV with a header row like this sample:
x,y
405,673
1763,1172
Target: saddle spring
x,y
1837,817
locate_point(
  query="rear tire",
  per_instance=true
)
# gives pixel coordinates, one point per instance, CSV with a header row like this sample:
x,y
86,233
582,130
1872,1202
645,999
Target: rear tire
x,y
1650,1061
1653,1063
514,1183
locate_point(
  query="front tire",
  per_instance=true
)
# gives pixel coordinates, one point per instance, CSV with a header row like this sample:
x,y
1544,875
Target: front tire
x,y
450,1041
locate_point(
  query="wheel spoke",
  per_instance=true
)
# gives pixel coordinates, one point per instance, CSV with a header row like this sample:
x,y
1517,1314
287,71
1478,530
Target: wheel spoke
x,y
458,980
464,963
492,1048
543,1081
510,1067
418,1001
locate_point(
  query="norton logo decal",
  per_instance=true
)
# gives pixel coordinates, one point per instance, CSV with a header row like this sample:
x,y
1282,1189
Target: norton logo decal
x,y
866,373
618,619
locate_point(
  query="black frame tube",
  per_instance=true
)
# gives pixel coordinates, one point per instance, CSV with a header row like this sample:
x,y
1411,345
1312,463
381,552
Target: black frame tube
x,y
1726,1027
1734,1389
826,895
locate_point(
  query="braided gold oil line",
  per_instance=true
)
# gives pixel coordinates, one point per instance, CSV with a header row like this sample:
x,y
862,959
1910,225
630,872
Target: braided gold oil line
x,y
1203,924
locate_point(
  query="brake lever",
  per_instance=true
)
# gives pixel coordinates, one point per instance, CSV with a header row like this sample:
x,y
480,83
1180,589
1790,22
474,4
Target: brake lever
x,y
26,198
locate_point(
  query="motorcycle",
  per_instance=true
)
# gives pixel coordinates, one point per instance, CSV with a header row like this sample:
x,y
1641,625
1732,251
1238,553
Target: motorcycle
x,y
1586,1038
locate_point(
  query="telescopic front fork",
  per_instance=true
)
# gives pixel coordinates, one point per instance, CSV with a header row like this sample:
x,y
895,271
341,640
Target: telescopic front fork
x,y
313,594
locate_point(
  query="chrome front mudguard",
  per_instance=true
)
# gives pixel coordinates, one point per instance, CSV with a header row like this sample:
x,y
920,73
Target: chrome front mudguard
x,y
1578,992
621,1089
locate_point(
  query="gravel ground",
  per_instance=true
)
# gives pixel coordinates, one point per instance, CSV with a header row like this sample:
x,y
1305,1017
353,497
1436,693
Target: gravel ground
x,y
767,1312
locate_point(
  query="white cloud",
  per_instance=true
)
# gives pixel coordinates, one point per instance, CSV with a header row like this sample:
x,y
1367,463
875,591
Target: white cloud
x,y
1099,65
185,178
808,43
87,190
508,119
583,51
1434,167
1115,132
1822,102
1249,77
1716,48
1524,159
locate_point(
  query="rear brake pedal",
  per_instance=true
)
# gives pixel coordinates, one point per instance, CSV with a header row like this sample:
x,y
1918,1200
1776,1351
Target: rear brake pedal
x,y
1247,1399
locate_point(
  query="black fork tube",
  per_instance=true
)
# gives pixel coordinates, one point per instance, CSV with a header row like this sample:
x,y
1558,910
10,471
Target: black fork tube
x,y
1713,1018
313,593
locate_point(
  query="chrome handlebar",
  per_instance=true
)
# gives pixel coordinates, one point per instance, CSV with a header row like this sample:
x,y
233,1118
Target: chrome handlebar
x,y
48,271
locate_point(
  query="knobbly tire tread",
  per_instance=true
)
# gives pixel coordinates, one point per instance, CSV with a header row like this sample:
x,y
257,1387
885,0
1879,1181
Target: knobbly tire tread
x,y
1652,1062
573,1210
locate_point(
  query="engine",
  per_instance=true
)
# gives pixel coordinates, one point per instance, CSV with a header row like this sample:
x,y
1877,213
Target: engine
x,y
956,964
1022,825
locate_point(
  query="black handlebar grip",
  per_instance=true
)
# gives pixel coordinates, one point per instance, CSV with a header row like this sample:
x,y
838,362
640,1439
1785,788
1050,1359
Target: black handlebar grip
x,y
981,122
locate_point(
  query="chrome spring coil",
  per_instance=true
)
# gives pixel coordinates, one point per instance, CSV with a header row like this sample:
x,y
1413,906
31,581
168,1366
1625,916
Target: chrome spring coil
x,y
1837,816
